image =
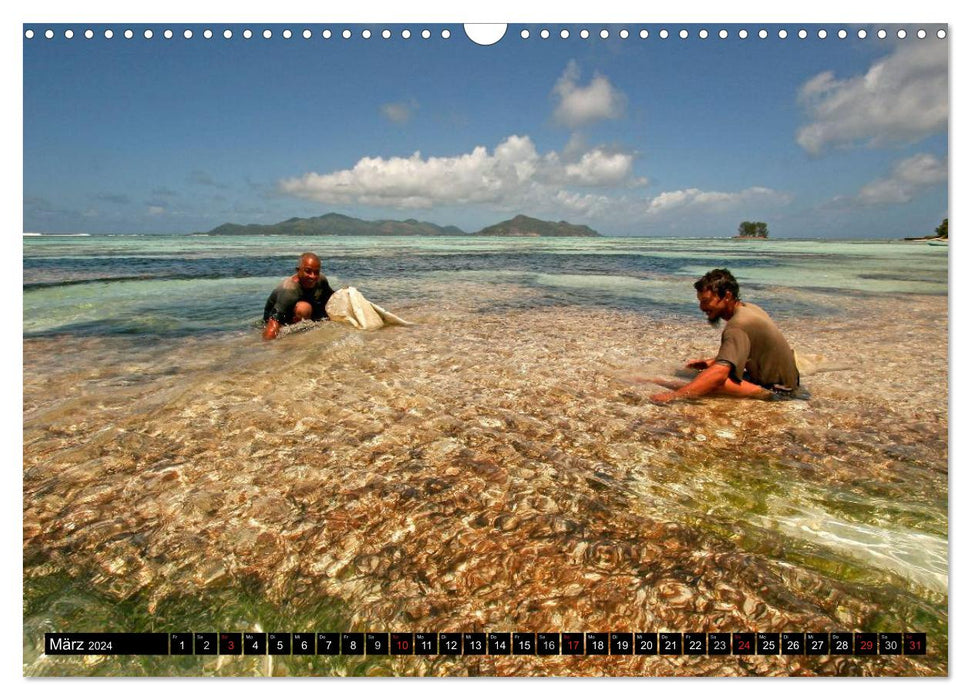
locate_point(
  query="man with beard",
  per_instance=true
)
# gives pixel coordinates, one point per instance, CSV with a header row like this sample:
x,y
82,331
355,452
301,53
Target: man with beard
x,y
300,297
754,360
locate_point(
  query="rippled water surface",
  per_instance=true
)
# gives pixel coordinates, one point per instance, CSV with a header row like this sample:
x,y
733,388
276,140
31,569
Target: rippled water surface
x,y
496,467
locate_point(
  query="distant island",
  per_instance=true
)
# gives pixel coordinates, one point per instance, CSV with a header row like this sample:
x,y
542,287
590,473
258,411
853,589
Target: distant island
x,y
939,235
340,225
752,229
529,227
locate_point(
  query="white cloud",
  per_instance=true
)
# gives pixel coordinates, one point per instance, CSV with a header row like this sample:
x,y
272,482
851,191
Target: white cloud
x,y
908,178
155,210
592,185
599,168
582,105
902,98
514,174
399,112
695,199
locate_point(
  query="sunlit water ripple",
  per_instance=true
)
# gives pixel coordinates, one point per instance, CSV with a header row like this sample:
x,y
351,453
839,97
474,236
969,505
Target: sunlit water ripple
x,y
493,467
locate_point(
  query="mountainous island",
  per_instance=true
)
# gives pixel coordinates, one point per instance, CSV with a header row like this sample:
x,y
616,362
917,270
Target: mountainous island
x,y
340,225
529,227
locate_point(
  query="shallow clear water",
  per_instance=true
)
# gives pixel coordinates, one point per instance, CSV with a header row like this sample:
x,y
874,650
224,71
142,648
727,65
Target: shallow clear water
x,y
495,467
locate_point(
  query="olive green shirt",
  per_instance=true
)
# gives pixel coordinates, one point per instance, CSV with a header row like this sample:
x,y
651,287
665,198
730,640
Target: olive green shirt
x,y
754,346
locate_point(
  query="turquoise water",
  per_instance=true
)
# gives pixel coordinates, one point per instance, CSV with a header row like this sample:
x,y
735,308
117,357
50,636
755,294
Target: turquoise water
x,y
176,285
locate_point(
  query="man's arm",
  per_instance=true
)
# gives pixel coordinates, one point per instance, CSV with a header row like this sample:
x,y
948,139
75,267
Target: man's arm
x,y
272,329
706,382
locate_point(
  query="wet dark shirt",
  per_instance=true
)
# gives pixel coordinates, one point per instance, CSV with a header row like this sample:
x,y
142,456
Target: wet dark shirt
x,y
284,298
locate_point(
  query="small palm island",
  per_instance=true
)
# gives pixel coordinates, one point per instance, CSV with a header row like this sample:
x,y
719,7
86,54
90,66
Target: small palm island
x,y
752,229
939,237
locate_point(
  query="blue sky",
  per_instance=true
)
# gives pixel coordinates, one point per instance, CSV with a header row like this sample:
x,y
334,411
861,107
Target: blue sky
x,y
686,137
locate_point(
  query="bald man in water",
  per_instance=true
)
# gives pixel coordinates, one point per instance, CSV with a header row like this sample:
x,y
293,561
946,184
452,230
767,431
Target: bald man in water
x,y
300,297
754,360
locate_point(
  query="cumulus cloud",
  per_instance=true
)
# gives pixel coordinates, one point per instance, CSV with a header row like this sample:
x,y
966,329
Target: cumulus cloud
x,y
399,112
902,98
908,178
599,168
513,174
580,105
696,199
588,184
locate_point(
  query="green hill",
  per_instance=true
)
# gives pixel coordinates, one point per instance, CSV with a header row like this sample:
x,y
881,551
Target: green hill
x,y
339,225
526,226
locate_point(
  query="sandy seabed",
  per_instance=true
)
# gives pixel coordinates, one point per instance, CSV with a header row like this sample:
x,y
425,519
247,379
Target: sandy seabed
x,y
488,471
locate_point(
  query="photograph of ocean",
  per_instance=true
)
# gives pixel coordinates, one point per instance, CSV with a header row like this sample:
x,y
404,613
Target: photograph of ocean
x,y
518,451
491,467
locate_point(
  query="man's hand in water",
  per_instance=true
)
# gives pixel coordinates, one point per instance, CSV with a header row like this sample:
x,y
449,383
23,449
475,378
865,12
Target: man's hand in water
x,y
272,329
699,364
663,397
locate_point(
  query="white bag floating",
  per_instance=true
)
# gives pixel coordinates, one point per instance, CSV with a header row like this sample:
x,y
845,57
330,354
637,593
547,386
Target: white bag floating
x,y
349,306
